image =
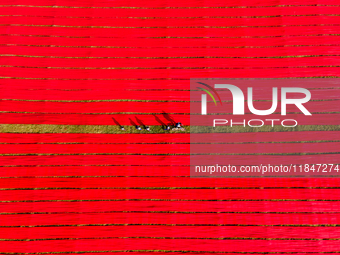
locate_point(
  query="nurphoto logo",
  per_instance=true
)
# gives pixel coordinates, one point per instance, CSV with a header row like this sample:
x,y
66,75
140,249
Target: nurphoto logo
x,y
262,127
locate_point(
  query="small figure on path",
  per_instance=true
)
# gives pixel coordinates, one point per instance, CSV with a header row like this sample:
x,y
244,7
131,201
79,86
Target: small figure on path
x,y
178,126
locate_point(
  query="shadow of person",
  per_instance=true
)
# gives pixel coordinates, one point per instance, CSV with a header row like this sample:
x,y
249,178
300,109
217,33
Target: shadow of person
x,y
159,121
140,122
168,118
117,123
133,123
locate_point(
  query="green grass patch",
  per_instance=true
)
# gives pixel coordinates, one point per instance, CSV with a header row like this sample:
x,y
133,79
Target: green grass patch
x,y
114,129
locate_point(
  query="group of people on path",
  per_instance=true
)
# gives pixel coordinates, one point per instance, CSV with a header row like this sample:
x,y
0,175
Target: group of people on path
x,y
178,126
